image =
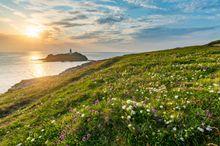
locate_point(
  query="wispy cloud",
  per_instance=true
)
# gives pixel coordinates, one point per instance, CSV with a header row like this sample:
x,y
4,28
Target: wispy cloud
x,y
112,21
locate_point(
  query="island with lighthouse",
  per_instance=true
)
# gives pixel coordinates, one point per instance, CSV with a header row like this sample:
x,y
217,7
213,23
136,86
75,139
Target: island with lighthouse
x,y
65,57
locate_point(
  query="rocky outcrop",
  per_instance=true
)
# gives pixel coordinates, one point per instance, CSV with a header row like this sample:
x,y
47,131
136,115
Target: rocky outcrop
x,y
65,57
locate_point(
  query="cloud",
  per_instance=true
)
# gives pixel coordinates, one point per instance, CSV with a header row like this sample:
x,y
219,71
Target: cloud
x,y
166,32
148,4
67,24
110,20
78,17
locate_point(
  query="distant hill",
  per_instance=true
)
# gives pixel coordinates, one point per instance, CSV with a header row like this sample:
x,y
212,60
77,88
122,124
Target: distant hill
x,y
215,43
65,57
169,97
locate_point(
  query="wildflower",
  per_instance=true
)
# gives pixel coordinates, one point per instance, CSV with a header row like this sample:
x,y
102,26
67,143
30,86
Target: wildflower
x,y
114,99
211,91
88,136
128,117
208,128
200,129
42,130
176,96
53,121
19,144
148,110
32,140
141,111
129,101
172,116
181,138
154,110
124,107
83,115
209,114
161,106
174,129
84,138
122,117
129,108
40,136
28,138
129,125
133,112
62,136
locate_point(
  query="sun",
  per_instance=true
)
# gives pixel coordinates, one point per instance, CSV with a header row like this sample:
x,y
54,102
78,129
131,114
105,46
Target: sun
x,y
32,32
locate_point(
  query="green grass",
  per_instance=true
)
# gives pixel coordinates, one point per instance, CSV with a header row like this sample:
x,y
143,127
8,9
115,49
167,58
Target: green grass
x,y
169,97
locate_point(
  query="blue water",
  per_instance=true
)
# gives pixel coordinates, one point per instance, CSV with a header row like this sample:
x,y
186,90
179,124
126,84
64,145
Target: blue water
x,y
15,67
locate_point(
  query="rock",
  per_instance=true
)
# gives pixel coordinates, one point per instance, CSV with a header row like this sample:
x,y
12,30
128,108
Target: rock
x,y
65,57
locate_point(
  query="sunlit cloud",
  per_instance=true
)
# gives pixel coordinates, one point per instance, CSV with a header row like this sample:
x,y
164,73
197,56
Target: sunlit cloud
x,y
106,22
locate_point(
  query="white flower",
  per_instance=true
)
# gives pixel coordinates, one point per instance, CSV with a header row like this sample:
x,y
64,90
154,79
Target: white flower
x,y
211,91
83,115
124,107
181,138
40,136
161,106
208,128
200,129
129,101
141,111
174,128
42,130
128,117
133,112
53,121
28,138
32,140
148,110
122,117
129,125
176,97
19,144
172,116
129,108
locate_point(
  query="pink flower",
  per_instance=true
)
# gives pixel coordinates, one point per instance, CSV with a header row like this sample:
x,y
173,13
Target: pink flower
x,y
209,114
154,110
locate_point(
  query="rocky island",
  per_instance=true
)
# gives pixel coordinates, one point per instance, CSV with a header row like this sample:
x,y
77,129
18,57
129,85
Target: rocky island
x,y
65,57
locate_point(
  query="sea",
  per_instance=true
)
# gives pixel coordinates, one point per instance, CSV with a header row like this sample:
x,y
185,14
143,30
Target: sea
x,y
15,67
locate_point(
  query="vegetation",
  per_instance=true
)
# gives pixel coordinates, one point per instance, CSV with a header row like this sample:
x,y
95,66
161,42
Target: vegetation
x,y
167,97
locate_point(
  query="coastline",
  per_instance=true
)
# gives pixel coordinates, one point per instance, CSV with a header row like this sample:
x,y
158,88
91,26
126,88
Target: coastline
x,y
29,82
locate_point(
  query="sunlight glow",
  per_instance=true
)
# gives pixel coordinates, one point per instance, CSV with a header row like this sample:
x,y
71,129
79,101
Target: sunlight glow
x,y
32,32
38,70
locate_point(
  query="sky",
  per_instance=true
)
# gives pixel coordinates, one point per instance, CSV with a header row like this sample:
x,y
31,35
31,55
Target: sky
x,y
107,25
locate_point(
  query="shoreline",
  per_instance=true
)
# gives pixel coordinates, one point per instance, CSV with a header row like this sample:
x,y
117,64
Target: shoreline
x,y
28,82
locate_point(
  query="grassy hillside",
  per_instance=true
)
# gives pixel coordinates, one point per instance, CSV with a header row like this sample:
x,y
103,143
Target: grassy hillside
x,y
168,97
